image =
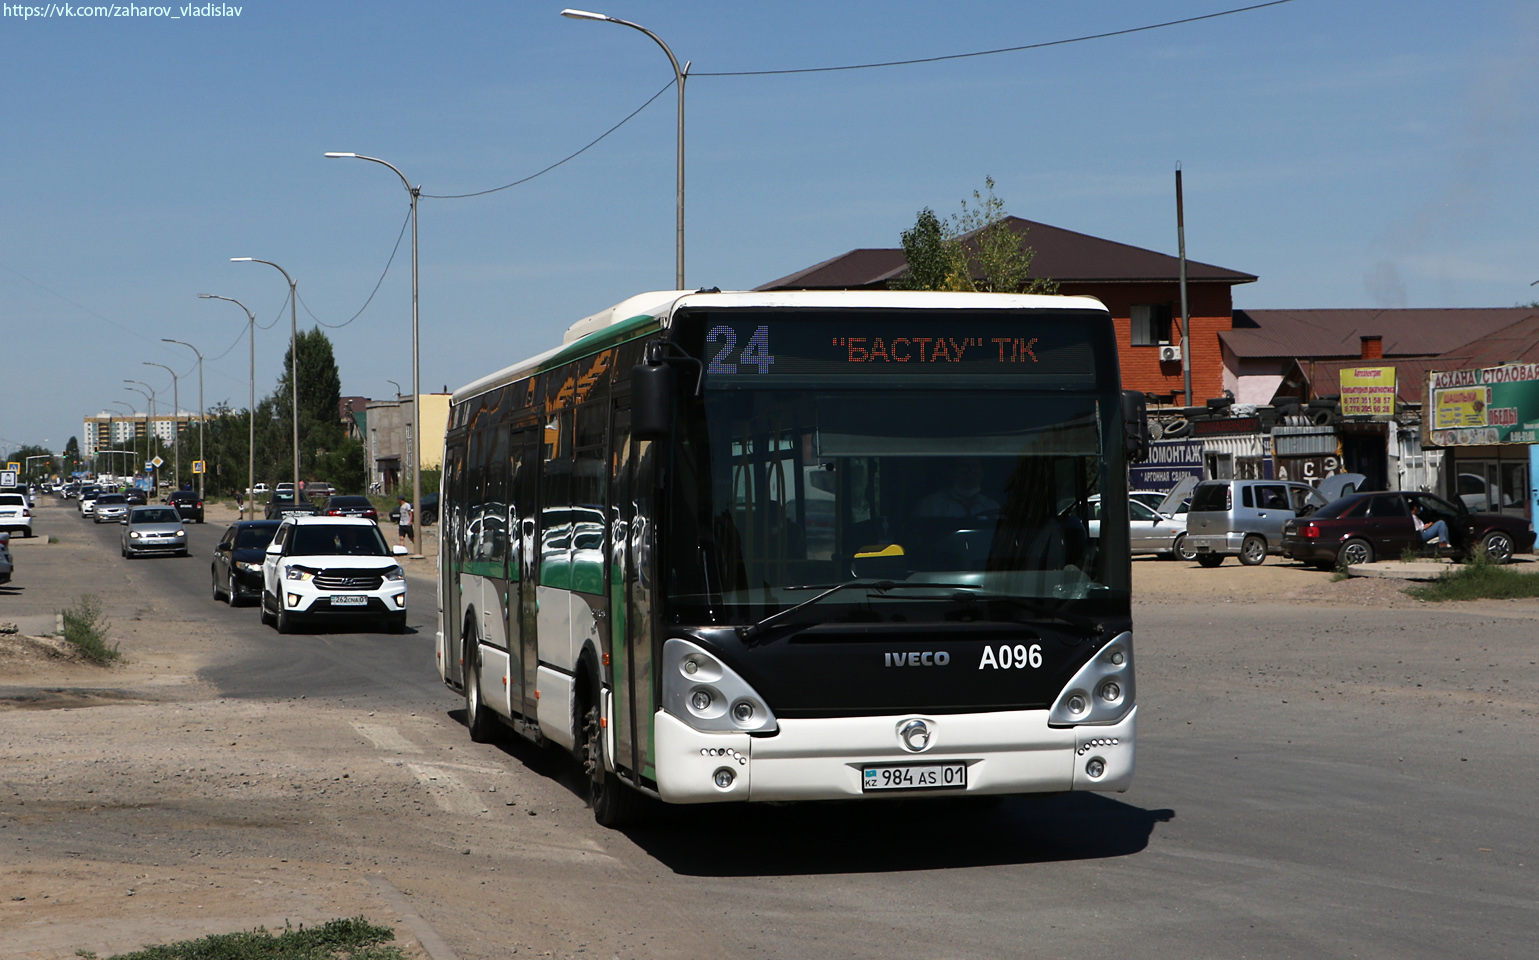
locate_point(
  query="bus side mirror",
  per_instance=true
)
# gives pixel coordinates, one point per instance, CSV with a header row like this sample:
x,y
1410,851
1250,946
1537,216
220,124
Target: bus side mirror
x,y
1135,425
653,388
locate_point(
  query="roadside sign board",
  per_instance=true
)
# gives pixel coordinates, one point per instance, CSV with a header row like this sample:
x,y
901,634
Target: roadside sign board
x,y
1485,405
13,467
8,478
1368,391
197,466
148,466
158,463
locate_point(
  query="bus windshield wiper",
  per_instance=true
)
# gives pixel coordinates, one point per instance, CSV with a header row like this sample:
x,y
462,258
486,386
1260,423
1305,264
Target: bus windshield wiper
x,y
1037,607
750,632
964,592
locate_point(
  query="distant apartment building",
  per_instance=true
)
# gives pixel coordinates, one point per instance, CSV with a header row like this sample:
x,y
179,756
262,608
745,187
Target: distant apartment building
x,y
120,431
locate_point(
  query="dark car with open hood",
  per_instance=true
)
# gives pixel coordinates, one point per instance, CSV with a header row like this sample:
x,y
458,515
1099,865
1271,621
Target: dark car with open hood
x,y
1364,527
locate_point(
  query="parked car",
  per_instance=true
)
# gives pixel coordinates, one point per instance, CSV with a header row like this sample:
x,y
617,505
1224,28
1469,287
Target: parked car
x,y
320,568
1364,527
188,504
154,529
283,503
429,510
236,569
350,506
109,508
1244,518
15,514
1149,531
7,565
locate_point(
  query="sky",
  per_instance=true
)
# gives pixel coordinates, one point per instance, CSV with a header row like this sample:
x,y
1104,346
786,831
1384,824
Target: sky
x,y
1369,154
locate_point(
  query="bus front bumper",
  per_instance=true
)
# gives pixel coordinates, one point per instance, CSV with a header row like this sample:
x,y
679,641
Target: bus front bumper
x,y
1005,752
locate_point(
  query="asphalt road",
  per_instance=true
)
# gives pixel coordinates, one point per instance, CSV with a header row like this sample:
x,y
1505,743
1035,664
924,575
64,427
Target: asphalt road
x,y
1313,781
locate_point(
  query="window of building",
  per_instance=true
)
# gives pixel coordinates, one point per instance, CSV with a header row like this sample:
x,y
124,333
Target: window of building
x,y
1151,324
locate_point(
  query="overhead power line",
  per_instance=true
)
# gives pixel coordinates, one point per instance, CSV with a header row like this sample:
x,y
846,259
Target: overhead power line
x,y
989,53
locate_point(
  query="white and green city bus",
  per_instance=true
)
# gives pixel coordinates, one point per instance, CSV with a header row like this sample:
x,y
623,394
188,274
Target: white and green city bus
x,y
799,546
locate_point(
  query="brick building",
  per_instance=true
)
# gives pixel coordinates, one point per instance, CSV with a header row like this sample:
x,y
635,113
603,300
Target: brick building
x,y
1140,287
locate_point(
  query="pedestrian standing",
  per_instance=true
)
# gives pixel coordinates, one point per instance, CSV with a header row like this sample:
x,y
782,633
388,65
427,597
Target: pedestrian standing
x,y
404,531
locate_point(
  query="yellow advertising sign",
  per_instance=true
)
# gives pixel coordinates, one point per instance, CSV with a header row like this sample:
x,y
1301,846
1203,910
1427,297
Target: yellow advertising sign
x,y
1367,391
1460,407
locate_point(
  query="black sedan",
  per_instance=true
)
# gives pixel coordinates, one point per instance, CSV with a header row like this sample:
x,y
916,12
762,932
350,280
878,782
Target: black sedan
x,y
188,504
236,569
284,504
1364,527
350,506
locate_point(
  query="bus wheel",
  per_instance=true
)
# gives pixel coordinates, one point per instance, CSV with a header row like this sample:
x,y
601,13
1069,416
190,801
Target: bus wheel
x,y
477,720
614,803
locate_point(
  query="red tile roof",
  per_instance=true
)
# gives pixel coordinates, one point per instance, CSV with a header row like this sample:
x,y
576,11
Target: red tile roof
x,y
1061,255
1259,334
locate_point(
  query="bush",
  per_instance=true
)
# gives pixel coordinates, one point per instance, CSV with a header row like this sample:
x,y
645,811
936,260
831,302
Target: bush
x,y
1479,579
354,939
86,631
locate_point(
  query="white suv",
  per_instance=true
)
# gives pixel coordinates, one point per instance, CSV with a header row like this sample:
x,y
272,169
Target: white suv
x,y
332,568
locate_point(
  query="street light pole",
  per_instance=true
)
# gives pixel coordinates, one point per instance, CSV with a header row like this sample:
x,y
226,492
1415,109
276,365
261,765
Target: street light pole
x,y
250,410
293,357
416,369
680,74
149,429
200,409
176,426
132,416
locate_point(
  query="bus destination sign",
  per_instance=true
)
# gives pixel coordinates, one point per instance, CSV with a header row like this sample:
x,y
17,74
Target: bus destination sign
x,y
901,346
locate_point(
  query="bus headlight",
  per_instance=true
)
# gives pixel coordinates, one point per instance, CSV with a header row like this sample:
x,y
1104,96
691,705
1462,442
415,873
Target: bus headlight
x,y
1109,674
708,695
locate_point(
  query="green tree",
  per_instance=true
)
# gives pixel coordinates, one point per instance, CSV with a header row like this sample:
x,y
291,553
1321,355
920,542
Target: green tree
x,y
320,392
72,455
974,250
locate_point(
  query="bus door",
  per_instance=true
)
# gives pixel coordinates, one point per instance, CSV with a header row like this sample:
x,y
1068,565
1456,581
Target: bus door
x,y
523,507
632,602
451,530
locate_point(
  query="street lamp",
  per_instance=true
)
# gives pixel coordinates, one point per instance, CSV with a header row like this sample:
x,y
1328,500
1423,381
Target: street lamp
x,y
293,356
250,410
133,415
416,370
176,425
200,408
398,393
149,428
679,75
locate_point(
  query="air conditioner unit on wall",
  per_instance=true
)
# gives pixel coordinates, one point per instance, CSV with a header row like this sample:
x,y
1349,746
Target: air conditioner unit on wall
x,y
1170,353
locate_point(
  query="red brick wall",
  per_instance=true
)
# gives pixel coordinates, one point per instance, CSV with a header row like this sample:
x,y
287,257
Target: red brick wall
x,y
1211,310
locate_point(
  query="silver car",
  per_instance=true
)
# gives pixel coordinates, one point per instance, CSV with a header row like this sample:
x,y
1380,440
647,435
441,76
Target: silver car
x,y
110,508
1245,518
154,530
1149,531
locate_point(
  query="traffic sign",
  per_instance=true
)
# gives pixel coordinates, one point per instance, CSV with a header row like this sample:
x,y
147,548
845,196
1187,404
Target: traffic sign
x,y
158,463
13,466
197,466
148,466
7,478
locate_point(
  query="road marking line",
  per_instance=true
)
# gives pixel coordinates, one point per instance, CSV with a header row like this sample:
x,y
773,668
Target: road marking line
x,y
386,738
451,793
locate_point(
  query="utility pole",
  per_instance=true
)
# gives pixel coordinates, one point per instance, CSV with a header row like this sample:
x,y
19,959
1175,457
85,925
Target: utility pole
x,y
1186,316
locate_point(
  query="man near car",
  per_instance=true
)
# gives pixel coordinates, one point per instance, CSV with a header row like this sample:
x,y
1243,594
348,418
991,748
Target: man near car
x,y
404,532
1432,534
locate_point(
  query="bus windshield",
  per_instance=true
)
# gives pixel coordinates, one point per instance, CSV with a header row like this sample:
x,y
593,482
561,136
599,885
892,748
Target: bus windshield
x,y
950,494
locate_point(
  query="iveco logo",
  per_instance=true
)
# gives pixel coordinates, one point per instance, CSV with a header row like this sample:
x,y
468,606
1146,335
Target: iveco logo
x,y
929,658
915,735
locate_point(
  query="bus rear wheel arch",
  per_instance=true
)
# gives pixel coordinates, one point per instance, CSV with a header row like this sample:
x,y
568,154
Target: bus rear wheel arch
x,y
615,803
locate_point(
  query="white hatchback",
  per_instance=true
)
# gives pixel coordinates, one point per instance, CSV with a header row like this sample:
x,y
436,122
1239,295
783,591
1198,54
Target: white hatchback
x,y
332,568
